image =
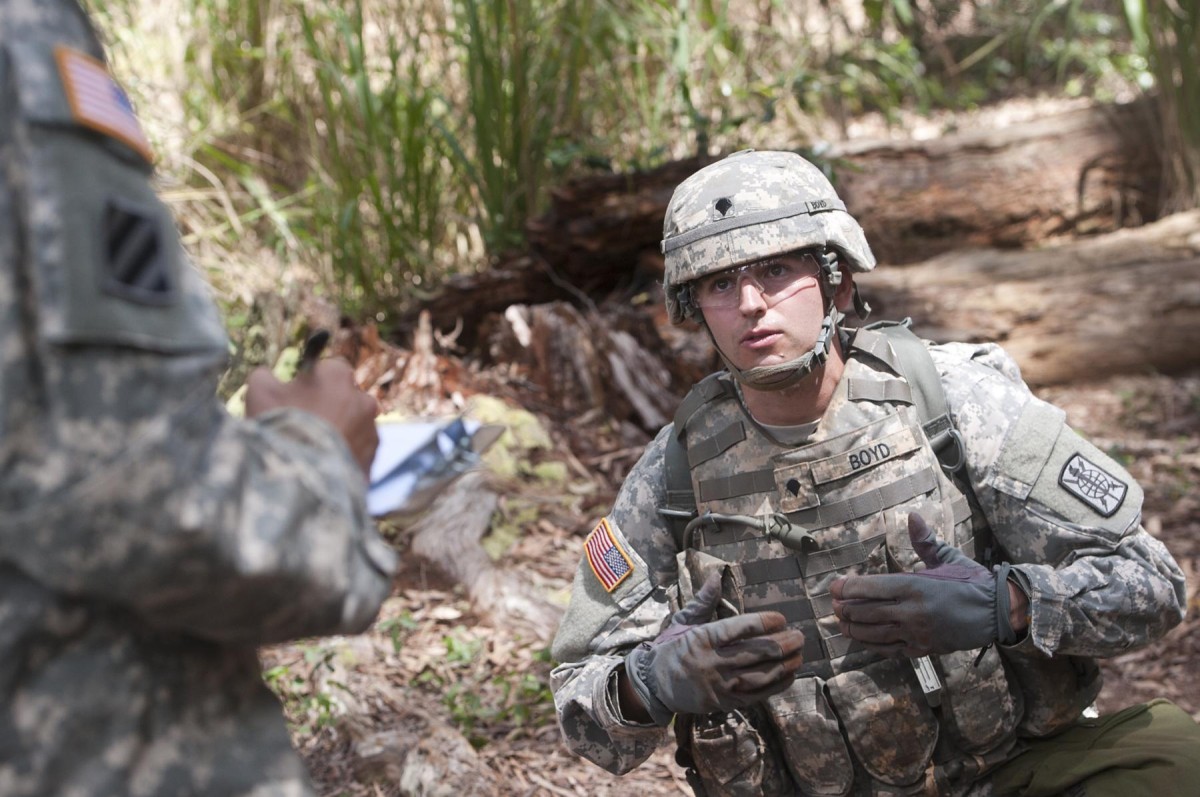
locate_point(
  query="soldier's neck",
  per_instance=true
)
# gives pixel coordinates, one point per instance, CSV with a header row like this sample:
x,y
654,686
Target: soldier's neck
x,y
802,403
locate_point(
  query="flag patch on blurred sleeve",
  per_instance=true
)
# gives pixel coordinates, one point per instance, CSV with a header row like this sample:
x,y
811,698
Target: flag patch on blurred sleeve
x,y
604,554
98,102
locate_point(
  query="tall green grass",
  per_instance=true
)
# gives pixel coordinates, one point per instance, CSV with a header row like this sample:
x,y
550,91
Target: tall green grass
x,y
387,144
522,62
1169,34
379,178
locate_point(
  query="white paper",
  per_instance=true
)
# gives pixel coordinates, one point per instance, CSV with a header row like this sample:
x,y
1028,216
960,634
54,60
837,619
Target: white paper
x,y
416,461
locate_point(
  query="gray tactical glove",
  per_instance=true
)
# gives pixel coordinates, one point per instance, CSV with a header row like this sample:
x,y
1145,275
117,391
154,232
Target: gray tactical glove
x,y
954,604
698,667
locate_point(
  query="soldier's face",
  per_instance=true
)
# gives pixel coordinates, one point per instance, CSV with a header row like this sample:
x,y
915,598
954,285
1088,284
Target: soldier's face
x,y
763,329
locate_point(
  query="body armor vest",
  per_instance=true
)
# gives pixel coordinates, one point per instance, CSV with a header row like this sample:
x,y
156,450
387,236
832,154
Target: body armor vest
x,y
853,722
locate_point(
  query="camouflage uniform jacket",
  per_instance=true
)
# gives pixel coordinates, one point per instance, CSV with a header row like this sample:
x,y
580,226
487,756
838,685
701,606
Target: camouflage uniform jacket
x,y
1098,583
148,541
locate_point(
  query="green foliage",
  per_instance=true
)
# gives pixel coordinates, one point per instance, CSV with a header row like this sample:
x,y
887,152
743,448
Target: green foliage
x,y
461,649
957,55
1168,35
523,62
387,145
875,76
307,706
378,178
397,628
515,699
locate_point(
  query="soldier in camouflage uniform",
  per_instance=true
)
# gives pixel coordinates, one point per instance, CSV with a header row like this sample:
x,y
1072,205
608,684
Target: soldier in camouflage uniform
x,y
148,542
844,610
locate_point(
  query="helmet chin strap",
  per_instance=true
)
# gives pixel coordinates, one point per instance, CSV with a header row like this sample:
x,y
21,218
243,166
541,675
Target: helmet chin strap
x,y
785,375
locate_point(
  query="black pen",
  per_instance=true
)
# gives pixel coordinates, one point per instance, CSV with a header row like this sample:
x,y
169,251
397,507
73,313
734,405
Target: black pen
x,y
313,347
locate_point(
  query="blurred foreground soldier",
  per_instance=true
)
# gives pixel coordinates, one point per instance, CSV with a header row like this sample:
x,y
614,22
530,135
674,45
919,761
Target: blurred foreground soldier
x,y
148,542
857,563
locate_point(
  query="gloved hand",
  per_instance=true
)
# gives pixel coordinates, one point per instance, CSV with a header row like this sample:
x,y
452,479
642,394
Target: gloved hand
x,y
954,604
698,667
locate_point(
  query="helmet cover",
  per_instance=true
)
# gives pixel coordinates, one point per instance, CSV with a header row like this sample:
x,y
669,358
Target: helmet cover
x,y
749,206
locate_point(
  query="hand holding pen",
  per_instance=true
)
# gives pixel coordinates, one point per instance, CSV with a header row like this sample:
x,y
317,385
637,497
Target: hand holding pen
x,y
325,388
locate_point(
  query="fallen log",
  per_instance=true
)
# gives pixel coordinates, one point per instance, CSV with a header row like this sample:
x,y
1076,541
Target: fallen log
x,y
1078,173
1082,172
448,537
417,752
1126,302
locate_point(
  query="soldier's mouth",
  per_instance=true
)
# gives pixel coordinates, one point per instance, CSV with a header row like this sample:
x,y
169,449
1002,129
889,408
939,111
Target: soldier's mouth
x,y
760,338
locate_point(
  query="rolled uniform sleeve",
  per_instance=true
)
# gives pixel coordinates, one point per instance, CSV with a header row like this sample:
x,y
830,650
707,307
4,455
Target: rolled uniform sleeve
x,y
600,625
1066,514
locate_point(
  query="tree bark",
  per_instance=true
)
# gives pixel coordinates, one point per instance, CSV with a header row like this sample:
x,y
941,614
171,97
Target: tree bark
x,y
1082,172
1127,302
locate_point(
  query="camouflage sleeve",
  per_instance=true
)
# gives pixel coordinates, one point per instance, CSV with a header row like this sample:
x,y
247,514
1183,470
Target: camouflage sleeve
x,y
247,532
1064,512
619,599
122,478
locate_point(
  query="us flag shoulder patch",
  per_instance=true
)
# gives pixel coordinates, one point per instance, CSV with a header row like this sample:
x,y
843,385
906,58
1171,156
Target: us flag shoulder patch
x,y
98,102
609,562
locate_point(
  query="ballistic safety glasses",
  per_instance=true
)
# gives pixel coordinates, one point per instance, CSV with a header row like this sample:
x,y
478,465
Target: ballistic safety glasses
x,y
776,278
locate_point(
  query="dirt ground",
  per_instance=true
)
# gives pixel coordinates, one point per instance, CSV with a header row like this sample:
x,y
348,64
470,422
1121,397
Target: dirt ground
x,y
467,689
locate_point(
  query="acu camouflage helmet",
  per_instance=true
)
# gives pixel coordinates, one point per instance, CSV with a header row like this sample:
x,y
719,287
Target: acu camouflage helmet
x,y
749,206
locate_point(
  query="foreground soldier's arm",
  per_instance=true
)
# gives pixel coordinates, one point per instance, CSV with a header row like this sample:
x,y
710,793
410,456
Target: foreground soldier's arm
x,y
1064,513
600,627
137,488
122,478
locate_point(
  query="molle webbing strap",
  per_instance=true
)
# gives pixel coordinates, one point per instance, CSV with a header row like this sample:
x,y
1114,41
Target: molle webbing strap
x,y
960,507
842,557
916,366
892,390
709,388
681,499
679,484
797,610
757,481
838,646
875,343
790,569
762,571
813,650
704,450
868,503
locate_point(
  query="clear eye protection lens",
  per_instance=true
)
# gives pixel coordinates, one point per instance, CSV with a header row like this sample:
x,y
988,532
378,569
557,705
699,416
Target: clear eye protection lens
x,y
775,279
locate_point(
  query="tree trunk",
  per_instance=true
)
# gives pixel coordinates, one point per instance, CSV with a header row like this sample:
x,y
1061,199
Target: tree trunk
x,y
1127,302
